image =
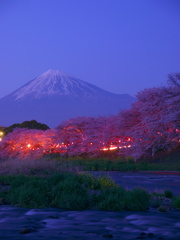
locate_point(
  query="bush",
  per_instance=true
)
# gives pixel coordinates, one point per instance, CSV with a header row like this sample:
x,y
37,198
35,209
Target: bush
x,y
29,192
70,191
92,183
117,198
111,199
69,194
136,200
168,194
176,202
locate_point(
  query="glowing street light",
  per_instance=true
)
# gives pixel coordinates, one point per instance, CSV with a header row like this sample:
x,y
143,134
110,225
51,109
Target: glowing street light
x,y
1,134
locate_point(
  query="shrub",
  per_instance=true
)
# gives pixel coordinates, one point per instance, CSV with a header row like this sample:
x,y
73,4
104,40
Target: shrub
x,y
111,199
117,198
70,191
137,200
106,182
168,194
69,194
29,192
176,202
92,183
73,201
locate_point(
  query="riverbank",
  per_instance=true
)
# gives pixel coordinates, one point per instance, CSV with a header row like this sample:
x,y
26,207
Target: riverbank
x,y
18,223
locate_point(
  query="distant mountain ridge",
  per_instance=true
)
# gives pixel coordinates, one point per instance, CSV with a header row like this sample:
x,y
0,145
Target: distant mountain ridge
x,y
55,96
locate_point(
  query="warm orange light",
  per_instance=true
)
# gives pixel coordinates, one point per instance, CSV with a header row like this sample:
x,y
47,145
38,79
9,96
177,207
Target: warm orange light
x,y
1,134
105,149
29,145
113,147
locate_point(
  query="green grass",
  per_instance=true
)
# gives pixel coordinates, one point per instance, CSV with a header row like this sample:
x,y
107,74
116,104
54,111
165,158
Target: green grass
x,y
176,203
71,191
36,167
117,199
78,192
119,164
50,164
169,162
168,194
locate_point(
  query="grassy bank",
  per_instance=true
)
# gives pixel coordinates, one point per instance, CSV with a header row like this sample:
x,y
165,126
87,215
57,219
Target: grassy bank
x,y
124,165
52,163
70,191
168,162
78,192
162,161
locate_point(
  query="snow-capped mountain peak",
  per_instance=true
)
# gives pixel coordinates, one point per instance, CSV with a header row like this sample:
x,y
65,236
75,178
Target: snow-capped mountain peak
x,y
56,96
54,74
55,82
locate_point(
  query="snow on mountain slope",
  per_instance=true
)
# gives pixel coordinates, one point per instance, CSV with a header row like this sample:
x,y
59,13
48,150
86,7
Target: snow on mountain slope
x,y
55,82
55,96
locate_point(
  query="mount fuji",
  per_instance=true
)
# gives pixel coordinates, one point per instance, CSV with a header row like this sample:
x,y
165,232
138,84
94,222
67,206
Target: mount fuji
x,y
55,96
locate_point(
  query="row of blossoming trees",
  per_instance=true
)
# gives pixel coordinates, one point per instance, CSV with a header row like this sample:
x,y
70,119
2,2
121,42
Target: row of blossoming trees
x,y
150,125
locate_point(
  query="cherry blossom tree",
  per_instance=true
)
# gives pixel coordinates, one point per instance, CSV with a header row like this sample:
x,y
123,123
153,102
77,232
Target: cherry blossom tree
x,y
23,143
153,121
82,135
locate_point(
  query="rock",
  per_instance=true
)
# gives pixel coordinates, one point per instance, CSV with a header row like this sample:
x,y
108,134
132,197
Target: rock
x,y
143,234
163,209
25,230
54,217
150,235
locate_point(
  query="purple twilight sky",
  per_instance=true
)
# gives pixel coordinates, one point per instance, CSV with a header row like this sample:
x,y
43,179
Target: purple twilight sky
x,y
122,46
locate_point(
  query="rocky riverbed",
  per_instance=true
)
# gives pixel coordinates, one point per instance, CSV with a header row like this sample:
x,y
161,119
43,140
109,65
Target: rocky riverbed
x,y
50,224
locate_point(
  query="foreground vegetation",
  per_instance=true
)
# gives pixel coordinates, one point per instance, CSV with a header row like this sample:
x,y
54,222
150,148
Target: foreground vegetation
x,y
70,191
79,192
53,181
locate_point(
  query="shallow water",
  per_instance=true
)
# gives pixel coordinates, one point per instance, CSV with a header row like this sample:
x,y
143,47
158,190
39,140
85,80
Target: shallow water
x,y
21,223
151,181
